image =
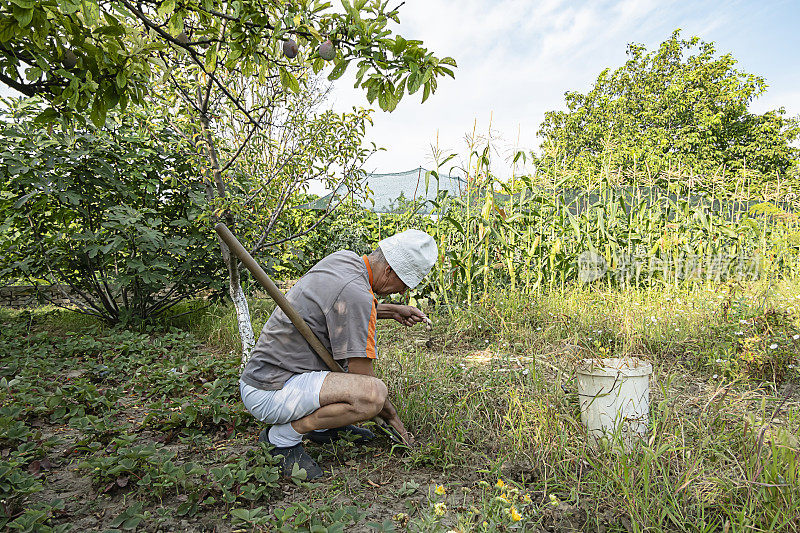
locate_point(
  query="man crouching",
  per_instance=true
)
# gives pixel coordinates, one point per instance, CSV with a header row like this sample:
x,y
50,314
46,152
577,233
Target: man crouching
x,y
285,384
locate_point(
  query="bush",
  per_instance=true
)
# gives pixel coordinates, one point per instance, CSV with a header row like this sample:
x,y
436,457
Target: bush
x,y
114,214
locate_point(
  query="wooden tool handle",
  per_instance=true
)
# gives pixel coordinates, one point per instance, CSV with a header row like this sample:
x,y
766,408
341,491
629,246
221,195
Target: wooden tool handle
x,y
275,293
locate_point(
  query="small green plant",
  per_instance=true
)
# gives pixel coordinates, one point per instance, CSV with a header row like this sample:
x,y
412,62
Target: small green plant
x,y
130,518
499,506
79,398
217,408
251,478
37,518
147,466
15,485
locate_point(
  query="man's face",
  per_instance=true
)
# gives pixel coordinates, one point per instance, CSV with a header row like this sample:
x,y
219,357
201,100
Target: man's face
x,y
392,284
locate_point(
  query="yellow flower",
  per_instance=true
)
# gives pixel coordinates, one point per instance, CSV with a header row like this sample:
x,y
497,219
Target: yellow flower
x,y
500,484
402,518
554,501
440,490
440,509
515,516
485,524
527,498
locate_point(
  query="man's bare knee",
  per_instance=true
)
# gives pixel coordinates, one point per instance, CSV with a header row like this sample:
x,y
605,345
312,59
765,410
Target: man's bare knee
x,y
371,398
363,394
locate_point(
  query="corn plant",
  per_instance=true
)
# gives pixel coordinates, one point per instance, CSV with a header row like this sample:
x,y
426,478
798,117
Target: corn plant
x,y
529,233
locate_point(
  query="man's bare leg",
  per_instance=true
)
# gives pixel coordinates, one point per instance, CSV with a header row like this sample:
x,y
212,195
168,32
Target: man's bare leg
x,y
344,399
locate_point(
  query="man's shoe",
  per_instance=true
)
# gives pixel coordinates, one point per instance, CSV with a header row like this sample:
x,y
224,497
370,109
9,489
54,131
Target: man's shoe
x,y
297,455
330,435
264,435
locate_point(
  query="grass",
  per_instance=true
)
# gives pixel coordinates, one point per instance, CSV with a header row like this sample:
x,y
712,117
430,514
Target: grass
x,y
149,432
722,448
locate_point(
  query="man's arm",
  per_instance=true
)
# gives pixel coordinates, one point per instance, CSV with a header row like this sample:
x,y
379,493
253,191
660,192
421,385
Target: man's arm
x,y
407,315
363,365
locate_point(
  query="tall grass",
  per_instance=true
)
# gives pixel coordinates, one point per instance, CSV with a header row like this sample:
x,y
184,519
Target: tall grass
x,y
498,393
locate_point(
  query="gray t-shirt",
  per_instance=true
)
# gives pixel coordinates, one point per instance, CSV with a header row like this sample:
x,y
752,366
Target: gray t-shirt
x,y
336,301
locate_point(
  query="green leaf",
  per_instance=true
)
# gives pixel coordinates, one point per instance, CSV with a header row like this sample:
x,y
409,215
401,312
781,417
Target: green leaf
x,y
399,45
122,81
382,98
348,8
241,514
288,81
426,92
166,8
211,59
338,70
131,523
70,7
113,30
33,73
372,90
7,32
362,69
175,23
23,15
46,116
298,474
414,80
427,75
98,114
456,223
391,99
91,11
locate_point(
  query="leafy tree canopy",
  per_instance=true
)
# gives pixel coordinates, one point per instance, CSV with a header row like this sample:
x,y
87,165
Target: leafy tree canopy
x,y
96,54
116,214
680,103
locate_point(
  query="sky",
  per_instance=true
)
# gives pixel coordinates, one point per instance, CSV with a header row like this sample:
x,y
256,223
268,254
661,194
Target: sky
x,y
516,58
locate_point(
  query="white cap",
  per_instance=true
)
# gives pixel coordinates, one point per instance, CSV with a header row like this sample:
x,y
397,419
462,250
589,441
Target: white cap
x,y
411,254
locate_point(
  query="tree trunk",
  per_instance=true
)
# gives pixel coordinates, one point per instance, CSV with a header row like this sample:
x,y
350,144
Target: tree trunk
x,y
240,304
234,275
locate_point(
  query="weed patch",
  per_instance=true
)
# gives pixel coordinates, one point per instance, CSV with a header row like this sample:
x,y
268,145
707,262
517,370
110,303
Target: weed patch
x,y
104,428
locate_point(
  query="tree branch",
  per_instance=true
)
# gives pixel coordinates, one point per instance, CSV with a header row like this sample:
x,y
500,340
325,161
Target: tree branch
x,y
327,213
244,142
27,90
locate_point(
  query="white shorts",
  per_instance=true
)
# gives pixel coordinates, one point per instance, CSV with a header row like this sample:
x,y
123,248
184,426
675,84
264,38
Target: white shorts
x,y
298,397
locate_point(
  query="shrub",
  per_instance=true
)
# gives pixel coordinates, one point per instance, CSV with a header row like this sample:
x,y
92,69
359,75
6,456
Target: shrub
x,y
113,215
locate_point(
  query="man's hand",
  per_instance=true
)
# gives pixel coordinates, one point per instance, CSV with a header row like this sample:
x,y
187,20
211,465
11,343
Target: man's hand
x,y
389,413
363,365
408,315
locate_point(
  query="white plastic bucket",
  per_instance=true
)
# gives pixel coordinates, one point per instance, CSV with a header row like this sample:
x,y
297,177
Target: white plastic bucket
x,y
615,397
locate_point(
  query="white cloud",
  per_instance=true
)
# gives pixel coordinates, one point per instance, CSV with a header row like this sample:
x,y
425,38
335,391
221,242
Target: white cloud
x,y
516,59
